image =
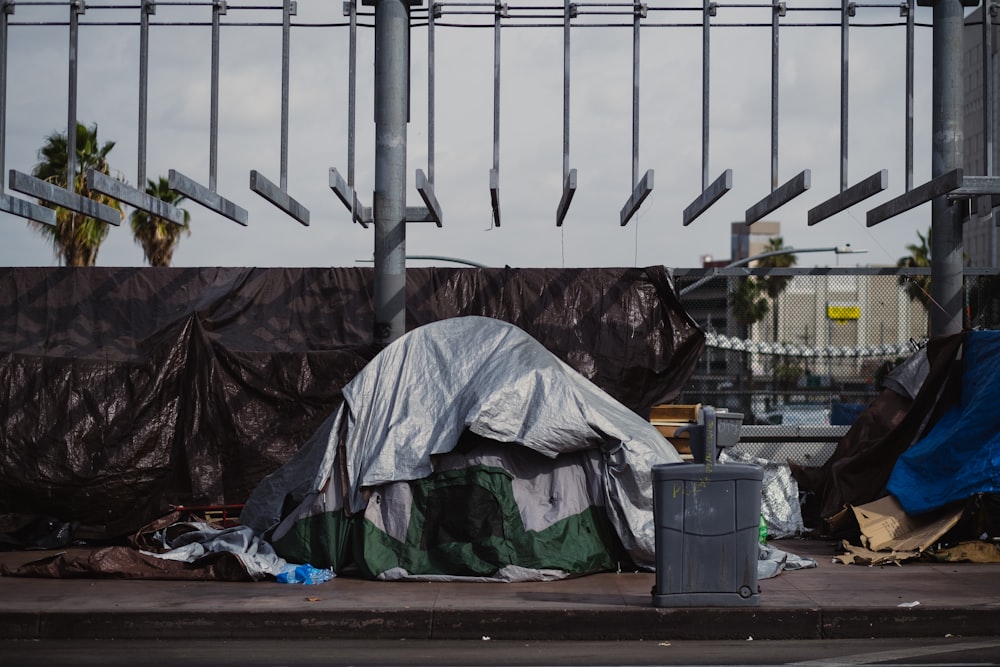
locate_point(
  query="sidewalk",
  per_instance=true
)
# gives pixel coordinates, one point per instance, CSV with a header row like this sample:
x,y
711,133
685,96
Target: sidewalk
x,y
830,601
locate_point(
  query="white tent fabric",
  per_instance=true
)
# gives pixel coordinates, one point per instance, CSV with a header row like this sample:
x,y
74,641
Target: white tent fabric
x,y
416,398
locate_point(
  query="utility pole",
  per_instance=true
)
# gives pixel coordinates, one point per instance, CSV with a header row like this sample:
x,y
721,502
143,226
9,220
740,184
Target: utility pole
x,y
392,48
946,155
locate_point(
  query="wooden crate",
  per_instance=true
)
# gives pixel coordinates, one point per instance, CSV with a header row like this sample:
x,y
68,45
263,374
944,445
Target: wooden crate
x,y
668,418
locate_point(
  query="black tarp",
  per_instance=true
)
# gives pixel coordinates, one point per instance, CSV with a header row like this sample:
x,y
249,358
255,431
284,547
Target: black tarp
x,y
126,390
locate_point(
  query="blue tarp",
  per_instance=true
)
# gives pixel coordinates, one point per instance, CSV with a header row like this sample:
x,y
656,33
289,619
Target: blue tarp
x,y
960,456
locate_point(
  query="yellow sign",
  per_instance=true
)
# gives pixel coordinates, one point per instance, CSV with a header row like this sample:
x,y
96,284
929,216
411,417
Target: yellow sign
x,y
842,313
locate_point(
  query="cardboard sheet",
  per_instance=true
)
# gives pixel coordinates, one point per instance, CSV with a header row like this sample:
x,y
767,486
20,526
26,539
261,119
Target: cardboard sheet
x,y
885,527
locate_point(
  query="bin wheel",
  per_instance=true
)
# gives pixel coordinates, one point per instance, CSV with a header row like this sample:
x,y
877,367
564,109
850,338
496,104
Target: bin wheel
x,y
745,592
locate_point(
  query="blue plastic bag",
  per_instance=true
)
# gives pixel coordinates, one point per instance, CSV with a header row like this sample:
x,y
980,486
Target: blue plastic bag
x,y
304,574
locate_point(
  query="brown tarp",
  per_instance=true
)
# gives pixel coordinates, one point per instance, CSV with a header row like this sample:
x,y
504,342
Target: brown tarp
x,y
126,390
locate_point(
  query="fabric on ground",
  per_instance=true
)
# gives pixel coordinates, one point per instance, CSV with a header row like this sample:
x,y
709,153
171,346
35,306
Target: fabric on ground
x,y
772,561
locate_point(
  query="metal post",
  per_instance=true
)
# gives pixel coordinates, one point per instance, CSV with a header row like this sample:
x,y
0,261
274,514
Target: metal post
x,y
946,155
218,8
352,88
75,9
286,33
567,14
430,92
777,10
5,8
708,10
148,7
846,9
392,42
636,15
910,36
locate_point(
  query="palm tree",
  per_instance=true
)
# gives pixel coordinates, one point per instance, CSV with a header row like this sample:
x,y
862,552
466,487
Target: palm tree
x,y
749,306
75,237
775,285
159,237
918,288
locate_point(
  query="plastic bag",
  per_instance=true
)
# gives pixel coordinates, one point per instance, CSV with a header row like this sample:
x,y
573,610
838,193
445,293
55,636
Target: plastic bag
x,y
304,574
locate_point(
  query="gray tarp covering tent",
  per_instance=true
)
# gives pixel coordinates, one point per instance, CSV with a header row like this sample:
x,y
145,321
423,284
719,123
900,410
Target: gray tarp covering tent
x,y
550,465
126,390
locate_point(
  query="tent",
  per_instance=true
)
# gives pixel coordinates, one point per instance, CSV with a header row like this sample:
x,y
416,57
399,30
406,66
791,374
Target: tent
x,y
959,456
466,449
931,439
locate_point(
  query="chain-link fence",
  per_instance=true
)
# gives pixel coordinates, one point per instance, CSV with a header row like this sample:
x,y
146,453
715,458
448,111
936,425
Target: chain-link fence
x,y
811,347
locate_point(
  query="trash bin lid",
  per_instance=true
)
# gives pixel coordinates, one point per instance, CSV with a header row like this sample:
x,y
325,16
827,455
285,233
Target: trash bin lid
x,y
698,471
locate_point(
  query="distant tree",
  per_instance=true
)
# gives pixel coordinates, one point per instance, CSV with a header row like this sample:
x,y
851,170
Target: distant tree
x,y
159,237
918,288
75,238
749,303
749,306
775,285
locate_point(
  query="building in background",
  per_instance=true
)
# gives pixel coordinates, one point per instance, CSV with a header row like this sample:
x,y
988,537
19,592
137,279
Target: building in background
x,y
828,318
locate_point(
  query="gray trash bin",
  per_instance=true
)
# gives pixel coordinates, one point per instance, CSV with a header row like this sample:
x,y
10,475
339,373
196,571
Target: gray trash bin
x,y
706,520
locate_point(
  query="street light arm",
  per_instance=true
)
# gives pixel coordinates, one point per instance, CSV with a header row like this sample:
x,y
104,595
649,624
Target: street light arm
x,y
840,250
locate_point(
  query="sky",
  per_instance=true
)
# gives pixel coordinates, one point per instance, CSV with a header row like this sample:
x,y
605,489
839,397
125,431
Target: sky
x,y
531,130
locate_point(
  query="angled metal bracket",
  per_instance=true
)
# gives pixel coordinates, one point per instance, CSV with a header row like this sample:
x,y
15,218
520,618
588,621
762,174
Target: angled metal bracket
x,y
116,189
976,186
278,197
208,198
779,197
426,190
639,195
711,194
48,192
26,209
921,194
857,193
569,189
346,194
495,195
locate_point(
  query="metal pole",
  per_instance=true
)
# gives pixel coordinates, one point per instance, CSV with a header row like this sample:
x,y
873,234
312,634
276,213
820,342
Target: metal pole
x,y
352,89
392,42
218,8
636,15
708,10
846,7
910,36
777,9
148,7
498,10
286,33
946,155
566,53
75,9
430,92
5,9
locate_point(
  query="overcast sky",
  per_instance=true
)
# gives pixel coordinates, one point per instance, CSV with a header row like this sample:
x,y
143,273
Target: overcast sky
x,y
531,131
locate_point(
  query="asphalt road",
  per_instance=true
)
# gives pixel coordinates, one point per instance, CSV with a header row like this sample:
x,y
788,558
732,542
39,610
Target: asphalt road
x,y
949,651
